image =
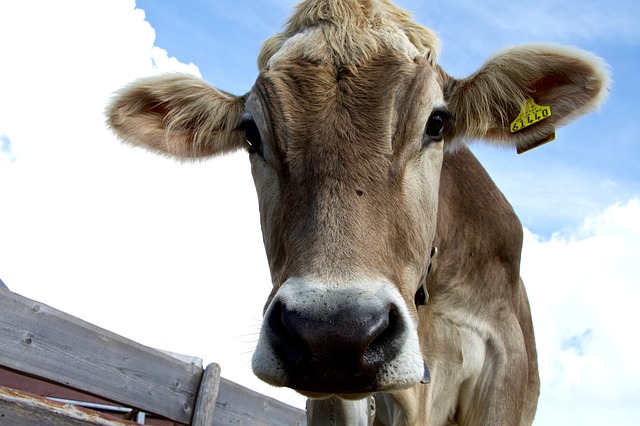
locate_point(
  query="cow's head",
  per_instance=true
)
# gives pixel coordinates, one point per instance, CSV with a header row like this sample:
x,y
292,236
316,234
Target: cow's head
x,y
345,128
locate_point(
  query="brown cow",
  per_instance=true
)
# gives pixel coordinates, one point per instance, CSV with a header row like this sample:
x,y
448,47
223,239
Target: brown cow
x,y
356,140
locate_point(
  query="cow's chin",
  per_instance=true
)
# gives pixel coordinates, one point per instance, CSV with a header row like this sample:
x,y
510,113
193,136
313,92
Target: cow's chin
x,y
347,396
338,340
353,396
343,386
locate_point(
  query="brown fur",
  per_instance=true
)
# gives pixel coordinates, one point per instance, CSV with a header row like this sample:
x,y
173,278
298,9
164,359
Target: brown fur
x,y
321,147
350,189
354,30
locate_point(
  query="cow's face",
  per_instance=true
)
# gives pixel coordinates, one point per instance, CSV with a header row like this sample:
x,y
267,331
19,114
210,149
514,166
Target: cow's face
x,y
346,162
346,127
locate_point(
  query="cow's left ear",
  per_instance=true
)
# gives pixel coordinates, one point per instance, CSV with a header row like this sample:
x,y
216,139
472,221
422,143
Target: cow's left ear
x,y
520,96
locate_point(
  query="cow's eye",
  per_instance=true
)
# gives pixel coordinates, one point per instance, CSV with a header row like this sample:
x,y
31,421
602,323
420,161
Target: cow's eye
x,y
252,134
436,125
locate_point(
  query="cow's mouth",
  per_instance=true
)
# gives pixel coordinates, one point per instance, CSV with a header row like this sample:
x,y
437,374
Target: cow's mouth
x,y
345,387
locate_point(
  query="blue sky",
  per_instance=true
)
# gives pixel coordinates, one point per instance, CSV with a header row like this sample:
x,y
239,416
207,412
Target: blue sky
x,y
121,238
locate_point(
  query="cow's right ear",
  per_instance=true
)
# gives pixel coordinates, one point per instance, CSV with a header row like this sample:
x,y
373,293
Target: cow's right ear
x,y
179,115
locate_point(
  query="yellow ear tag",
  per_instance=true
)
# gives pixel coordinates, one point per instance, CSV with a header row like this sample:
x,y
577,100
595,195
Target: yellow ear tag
x,y
531,113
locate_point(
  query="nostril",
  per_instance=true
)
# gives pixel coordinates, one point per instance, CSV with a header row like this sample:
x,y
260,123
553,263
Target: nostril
x,y
297,327
288,334
375,327
383,347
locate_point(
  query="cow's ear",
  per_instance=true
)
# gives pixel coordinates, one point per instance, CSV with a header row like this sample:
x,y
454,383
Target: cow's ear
x,y
177,114
520,96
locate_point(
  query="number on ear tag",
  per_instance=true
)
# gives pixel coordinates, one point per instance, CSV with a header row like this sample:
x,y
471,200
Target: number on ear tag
x,y
531,113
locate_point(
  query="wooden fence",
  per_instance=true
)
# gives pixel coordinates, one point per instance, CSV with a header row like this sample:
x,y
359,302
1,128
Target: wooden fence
x,y
40,341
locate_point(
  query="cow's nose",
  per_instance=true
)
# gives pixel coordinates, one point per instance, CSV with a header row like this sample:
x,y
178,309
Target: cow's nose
x,y
353,336
330,351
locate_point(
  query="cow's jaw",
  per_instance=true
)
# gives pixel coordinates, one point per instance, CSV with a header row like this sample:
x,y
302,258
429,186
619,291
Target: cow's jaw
x,y
338,338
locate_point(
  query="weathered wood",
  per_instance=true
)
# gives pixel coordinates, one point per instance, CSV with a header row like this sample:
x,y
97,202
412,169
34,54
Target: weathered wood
x,y
205,408
41,341
238,405
47,343
23,409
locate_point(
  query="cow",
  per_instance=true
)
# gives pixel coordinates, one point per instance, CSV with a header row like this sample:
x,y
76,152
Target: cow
x,y
394,257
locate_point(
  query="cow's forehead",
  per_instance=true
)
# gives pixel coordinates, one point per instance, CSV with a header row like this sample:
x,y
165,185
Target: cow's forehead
x,y
314,45
351,34
385,102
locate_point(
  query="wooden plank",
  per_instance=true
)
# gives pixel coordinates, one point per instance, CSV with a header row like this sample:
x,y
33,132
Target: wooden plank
x,y
205,408
47,343
23,409
238,405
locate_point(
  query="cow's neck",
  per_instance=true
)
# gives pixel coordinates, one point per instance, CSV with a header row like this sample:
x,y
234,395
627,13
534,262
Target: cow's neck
x,y
478,233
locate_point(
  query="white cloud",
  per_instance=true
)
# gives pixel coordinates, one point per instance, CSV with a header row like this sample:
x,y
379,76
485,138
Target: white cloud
x,y
6,153
163,63
584,293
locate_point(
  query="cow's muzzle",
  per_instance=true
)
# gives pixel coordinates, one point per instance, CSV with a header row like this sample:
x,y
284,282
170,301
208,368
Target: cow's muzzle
x,y
352,339
341,353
